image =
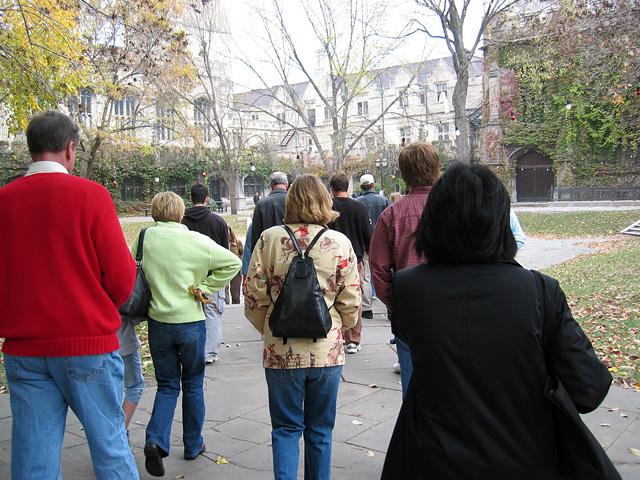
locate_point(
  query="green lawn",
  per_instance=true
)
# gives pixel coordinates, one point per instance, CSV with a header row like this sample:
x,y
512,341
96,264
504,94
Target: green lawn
x,y
577,224
602,288
602,291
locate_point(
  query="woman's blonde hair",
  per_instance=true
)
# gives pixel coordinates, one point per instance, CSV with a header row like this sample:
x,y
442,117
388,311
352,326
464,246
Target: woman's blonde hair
x,y
308,201
167,207
395,196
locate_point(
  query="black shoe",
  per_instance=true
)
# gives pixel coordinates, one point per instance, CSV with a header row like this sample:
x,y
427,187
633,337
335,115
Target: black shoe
x,y
367,314
202,450
153,459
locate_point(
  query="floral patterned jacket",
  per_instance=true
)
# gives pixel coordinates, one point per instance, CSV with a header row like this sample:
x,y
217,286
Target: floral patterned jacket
x,y
336,267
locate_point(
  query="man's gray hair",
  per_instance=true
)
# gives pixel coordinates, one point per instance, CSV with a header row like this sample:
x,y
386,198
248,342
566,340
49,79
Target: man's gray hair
x,y
278,178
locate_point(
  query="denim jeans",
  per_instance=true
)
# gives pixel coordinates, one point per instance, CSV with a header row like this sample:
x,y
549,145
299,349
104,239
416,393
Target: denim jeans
x,y
133,377
42,390
302,400
177,350
406,365
213,321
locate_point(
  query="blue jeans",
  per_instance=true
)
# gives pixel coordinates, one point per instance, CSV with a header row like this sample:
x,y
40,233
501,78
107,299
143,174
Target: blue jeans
x,y
133,377
177,350
43,389
406,365
302,400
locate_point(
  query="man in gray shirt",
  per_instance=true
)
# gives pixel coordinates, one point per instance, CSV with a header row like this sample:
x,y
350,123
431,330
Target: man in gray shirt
x,y
375,205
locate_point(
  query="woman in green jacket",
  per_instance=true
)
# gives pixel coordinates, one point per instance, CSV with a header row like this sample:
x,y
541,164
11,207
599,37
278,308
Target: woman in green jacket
x,y
175,259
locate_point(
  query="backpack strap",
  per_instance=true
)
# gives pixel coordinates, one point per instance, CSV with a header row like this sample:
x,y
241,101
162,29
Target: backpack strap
x,y
313,242
295,241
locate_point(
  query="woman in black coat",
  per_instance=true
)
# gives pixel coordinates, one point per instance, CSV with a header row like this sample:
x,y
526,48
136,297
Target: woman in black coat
x,y
475,407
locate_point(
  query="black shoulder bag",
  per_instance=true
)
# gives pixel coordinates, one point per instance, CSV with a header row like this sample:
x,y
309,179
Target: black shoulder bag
x,y
580,455
300,310
137,307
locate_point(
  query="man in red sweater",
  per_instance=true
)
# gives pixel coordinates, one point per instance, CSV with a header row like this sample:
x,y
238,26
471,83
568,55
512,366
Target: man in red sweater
x,y
65,270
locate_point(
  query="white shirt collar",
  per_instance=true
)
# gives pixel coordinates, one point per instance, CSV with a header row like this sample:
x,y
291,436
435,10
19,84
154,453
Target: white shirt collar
x,y
45,166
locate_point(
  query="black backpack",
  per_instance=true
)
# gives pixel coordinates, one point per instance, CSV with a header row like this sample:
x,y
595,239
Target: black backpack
x,y
300,310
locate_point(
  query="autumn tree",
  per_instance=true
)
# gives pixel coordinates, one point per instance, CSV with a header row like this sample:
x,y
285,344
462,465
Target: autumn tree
x,y
40,56
209,113
134,48
350,49
453,19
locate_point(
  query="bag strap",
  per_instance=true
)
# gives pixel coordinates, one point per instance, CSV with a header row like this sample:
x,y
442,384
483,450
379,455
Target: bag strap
x,y
295,242
547,312
140,242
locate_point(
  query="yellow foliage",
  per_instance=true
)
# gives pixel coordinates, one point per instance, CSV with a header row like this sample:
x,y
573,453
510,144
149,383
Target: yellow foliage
x,y
41,50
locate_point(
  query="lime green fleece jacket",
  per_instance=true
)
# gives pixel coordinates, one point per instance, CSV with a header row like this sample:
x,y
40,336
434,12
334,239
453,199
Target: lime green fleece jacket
x,y
173,257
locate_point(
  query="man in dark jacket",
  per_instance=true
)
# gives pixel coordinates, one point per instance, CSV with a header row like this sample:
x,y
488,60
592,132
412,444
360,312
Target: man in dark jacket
x,y
200,219
354,222
375,205
270,210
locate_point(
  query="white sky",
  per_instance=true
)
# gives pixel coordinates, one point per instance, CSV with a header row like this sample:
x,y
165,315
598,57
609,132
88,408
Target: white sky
x,y
244,28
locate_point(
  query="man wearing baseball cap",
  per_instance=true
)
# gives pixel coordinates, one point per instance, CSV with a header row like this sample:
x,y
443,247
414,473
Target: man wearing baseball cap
x,y
375,205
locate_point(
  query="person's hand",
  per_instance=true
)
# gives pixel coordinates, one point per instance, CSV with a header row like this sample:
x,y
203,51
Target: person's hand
x,y
196,292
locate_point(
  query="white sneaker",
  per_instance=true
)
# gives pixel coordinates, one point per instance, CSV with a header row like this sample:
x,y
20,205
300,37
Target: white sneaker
x,y
211,360
353,348
396,367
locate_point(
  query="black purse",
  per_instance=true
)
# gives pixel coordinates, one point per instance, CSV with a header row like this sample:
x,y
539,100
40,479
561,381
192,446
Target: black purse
x,y
137,307
300,310
580,456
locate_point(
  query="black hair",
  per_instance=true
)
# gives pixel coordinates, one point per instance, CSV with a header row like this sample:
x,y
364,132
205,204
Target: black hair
x,y
51,131
199,193
466,218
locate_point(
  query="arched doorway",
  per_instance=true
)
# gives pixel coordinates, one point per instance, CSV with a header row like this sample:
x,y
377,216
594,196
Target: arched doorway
x,y
534,178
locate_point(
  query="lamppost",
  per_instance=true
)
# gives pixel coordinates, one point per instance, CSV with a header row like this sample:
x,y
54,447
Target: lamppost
x,y
380,165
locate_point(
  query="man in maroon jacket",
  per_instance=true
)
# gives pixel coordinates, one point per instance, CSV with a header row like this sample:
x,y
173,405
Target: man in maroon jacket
x,y
65,270
392,242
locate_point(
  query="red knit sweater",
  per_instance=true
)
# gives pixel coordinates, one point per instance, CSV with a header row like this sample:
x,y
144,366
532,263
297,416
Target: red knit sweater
x,y
64,267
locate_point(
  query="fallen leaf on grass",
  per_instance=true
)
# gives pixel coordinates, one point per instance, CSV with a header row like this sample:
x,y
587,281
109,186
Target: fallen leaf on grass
x,y
370,454
356,422
221,461
635,451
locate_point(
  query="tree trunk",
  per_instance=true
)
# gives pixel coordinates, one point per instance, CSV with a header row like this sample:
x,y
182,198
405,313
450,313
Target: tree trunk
x,y
91,158
231,187
460,108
